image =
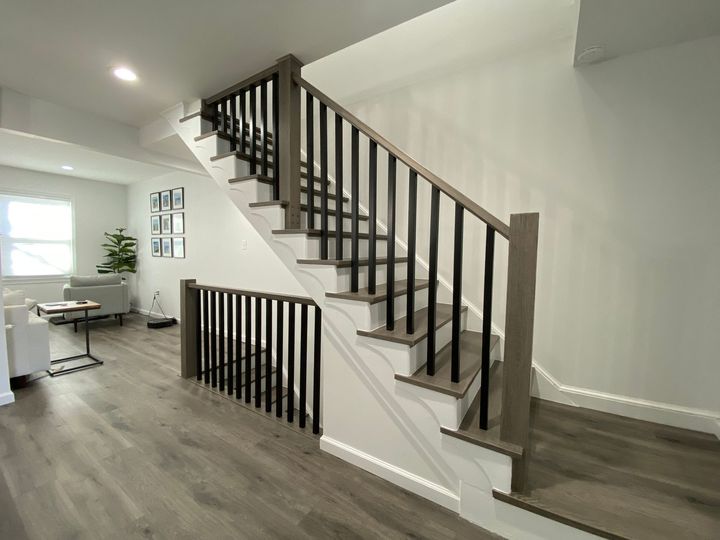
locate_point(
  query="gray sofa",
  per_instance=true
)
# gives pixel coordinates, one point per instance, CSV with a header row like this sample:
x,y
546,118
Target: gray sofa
x,y
109,290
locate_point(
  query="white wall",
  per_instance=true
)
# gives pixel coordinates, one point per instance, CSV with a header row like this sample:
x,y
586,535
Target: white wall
x,y
621,161
6,395
215,235
98,207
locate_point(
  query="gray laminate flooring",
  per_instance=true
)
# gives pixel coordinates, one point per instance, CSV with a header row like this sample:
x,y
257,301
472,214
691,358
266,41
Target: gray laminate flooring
x,y
131,450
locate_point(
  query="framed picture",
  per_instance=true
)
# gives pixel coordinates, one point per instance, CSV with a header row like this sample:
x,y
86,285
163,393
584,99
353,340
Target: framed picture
x,y
178,223
154,224
165,200
166,223
155,247
167,247
178,198
155,202
179,248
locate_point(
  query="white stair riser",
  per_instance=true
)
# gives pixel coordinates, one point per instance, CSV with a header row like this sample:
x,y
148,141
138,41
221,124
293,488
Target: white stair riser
x,y
406,360
368,316
276,216
308,247
338,279
253,190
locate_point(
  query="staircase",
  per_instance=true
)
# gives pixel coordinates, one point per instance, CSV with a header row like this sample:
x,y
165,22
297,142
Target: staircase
x,y
419,387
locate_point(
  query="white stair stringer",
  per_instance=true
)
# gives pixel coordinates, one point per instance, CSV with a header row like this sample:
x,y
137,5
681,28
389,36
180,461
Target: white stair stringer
x,y
370,419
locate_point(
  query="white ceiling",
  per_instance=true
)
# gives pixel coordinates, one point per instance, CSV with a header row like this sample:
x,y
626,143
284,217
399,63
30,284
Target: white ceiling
x,y
452,37
628,26
62,51
39,154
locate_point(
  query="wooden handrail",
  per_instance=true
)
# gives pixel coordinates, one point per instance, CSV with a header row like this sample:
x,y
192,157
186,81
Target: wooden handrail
x,y
256,294
258,77
435,180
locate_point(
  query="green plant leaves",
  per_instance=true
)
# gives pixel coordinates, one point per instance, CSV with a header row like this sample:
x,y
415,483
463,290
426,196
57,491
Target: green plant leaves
x,y
120,254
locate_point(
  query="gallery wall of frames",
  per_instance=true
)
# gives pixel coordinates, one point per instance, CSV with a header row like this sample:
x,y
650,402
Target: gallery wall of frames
x,y
167,223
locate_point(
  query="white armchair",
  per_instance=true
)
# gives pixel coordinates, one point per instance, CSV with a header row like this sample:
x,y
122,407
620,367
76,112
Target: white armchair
x,y
28,341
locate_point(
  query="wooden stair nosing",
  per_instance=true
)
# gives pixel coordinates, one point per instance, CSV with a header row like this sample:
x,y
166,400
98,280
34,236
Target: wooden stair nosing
x,y
227,137
257,177
529,504
380,295
470,364
208,117
347,263
331,234
239,154
398,335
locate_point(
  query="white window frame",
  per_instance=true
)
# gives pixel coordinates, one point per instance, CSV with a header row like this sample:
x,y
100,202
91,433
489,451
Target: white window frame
x,y
50,278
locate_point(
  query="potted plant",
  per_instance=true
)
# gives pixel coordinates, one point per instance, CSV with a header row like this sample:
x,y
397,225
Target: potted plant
x,y
120,254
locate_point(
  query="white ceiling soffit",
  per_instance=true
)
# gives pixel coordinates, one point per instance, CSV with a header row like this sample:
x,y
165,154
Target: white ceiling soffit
x,y
442,41
612,28
46,155
180,49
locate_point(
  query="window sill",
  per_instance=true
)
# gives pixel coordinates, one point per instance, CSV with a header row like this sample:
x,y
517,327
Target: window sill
x,y
18,280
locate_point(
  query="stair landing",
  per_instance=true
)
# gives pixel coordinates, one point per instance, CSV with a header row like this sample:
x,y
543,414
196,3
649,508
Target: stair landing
x,y
618,477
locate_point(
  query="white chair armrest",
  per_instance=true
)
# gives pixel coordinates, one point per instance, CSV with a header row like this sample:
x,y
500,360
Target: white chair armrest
x,y
16,315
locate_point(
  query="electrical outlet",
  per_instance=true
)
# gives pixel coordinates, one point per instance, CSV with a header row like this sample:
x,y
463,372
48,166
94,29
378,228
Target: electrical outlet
x,y
243,245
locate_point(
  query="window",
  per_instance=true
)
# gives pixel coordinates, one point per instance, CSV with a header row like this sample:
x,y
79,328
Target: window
x,y
37,236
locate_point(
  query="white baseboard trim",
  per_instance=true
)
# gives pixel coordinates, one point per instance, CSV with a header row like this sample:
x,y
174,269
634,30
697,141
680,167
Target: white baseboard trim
x,y
6,398
651,411
405,479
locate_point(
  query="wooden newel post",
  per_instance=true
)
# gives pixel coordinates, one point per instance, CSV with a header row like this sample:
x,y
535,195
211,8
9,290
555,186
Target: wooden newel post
x,y
519,322
189,328
286,143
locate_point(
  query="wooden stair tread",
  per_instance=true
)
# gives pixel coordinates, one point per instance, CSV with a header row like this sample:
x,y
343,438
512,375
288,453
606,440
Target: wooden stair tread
x,y
469,430
227,137
443,316
331,234
317,193
470,363
347,263
246,157
256,177
401,287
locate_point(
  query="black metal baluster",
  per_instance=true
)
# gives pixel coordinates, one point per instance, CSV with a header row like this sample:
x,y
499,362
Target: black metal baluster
x,y
316,371
263,127
486,327
303,363
323,183
230,328
279,359
291,362
238,347
355,194
310,120
258,351
432,289
372,218
390,302
412,225
206,336
338,187
276,130
457,293
213,339
253,138
233,122
248,348
214,120
268,354
221,339
199,334
223,113
243,121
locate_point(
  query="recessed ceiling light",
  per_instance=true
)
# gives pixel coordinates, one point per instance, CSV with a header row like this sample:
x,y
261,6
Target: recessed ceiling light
x,y
125,74
67,168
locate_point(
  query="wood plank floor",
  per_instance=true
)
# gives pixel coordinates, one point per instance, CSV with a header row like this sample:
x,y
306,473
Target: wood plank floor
x,y
131,450
620,477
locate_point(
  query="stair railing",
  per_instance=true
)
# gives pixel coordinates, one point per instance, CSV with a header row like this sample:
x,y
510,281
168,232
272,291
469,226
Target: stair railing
x,y
521,234
225,344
